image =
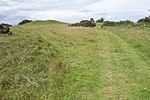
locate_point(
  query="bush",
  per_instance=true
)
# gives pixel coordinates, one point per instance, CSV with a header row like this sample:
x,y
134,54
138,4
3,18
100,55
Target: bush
x,y
24,22
4,29
144,20
100,20
85,23
112,23
74,24
3,24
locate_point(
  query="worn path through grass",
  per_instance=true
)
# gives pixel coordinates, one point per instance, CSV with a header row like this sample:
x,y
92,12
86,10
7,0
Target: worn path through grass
x,y
102,65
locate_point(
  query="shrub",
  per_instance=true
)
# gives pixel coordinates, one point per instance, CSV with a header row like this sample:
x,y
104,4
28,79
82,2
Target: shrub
x,y
144,20
24,22
112,23
92,21
3,24
85,23
100,20
109,23
4,29
74,24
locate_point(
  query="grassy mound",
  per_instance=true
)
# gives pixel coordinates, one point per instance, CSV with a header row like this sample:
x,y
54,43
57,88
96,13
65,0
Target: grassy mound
x,y
42,22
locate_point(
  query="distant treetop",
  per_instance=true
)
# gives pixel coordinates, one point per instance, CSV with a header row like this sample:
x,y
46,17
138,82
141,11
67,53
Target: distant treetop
x,y
100,20
144,20
85,23
24,22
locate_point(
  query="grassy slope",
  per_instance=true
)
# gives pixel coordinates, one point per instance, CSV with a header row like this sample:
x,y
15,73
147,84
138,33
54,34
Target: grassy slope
x,y
54,61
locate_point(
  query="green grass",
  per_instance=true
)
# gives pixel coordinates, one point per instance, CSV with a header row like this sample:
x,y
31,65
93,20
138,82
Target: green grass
x,y
53,61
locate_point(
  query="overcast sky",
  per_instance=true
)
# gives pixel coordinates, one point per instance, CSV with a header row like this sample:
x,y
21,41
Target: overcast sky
x,y
12,11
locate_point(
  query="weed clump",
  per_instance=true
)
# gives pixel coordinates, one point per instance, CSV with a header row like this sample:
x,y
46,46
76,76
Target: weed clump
x,y
24,22
85,23
59,67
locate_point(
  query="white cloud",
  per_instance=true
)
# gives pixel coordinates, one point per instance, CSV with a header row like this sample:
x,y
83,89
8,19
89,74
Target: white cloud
x,y
72,10
62,15
121,5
